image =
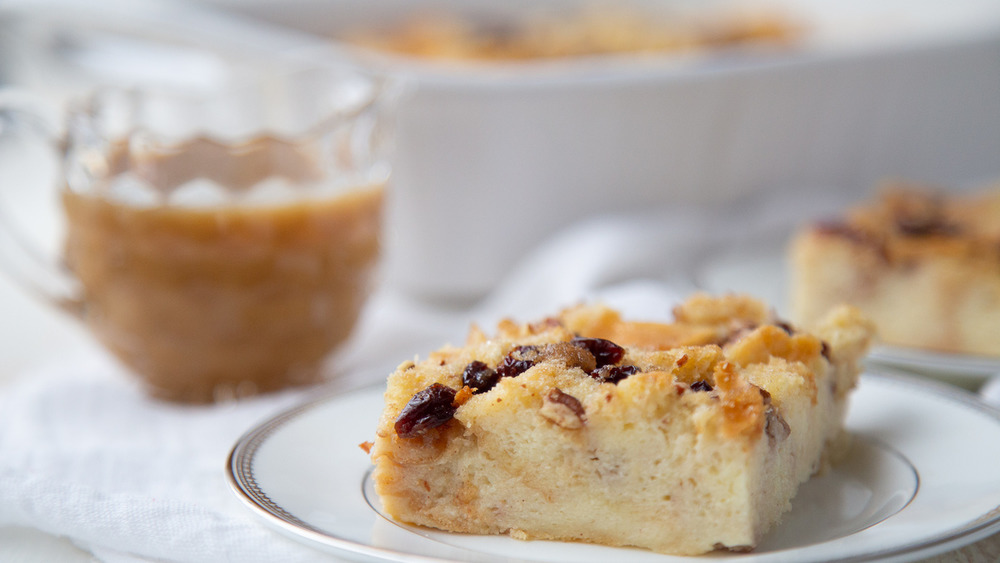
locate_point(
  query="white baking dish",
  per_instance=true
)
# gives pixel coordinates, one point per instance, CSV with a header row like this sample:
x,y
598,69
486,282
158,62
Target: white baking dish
x,y
491,159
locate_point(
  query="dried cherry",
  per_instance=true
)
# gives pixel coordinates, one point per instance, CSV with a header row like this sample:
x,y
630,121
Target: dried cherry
x,y
428,409
479,377
614,374
605,352
518,361
701,385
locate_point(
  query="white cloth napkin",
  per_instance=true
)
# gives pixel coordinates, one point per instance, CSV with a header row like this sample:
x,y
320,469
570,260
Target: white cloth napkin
x,y
84,454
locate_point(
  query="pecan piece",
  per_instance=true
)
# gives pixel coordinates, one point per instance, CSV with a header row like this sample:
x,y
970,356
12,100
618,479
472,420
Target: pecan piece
x,y
563,409
775,426
522,358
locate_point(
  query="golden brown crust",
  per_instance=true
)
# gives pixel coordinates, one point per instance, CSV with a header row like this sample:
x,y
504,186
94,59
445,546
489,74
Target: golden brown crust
x,y
742,402
908,222
593,30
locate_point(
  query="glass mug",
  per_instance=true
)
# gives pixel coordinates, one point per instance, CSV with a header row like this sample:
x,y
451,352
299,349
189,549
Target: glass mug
x,y
220,244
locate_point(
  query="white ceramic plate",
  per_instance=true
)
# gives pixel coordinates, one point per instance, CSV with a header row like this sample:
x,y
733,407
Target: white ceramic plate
x,y
957,368
920,479
758,267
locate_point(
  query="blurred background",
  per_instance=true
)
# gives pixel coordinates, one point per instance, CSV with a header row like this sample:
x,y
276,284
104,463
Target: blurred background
x,y
498,148
522,118
509,133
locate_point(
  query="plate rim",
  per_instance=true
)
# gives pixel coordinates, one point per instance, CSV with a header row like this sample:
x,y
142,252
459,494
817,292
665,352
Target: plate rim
x,y
977,366
239,475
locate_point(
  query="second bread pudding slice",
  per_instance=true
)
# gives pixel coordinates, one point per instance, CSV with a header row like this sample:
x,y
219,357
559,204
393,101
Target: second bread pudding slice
x,y
923,264
681,438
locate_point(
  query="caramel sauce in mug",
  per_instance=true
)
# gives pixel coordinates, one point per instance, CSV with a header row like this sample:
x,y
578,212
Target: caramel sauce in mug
x,y
209,302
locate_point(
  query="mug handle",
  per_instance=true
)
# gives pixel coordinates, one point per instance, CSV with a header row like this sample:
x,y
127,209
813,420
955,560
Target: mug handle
x,y
43,274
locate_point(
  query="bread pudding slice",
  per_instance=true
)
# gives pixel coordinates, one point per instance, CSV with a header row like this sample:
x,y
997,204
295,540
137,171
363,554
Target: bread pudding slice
x,y
681,438
925,267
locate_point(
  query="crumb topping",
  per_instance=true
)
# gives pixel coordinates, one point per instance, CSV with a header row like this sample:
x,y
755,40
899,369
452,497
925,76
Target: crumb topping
x,y
742,402
463,395
907,221
732,334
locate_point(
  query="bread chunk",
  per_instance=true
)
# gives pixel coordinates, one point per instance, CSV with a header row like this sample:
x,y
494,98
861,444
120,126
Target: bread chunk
x,y
680,438
924,266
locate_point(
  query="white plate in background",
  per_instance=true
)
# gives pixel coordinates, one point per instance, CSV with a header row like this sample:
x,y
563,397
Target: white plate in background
x,y
898,496
961,369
